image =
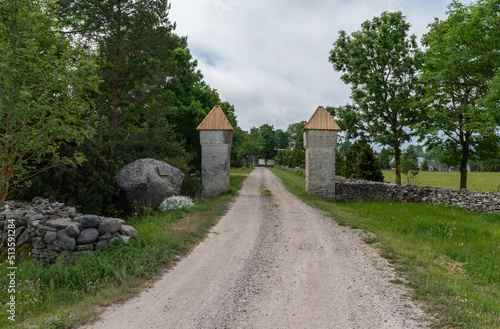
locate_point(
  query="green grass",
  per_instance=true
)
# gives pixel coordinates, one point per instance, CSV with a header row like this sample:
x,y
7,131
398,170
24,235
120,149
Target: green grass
x,y
65,294
476,181
266,192
449,256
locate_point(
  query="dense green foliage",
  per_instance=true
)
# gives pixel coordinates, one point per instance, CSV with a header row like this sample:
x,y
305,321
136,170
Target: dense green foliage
x,y
285,147
90,186
115,80
380,63
462,57
135,41
44,88
358,162
292,158
448,256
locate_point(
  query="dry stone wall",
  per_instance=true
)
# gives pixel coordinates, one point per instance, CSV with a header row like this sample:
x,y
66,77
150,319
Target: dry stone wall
x,y
348,190
54,229
357,190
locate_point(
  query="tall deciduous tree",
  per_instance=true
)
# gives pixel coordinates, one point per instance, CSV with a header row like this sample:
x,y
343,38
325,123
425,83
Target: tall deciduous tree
x,y
381,63
135,41
268,136
294,130
282,139
250,146
462,57
43,87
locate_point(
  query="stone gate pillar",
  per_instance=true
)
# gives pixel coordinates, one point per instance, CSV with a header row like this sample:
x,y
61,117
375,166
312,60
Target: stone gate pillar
x,y
320,140
216,137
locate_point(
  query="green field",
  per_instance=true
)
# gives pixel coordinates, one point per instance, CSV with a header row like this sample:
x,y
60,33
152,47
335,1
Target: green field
x,y
448,256
476,181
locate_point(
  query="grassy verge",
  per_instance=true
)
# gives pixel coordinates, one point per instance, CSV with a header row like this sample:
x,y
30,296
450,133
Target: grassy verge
x,y
449,256
476,181
63,295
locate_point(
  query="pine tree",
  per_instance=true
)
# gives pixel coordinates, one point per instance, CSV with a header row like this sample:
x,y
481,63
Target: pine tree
x,y
361,163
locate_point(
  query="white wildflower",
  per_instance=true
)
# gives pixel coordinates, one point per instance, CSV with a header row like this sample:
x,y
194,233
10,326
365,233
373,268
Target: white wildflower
x,y
176,202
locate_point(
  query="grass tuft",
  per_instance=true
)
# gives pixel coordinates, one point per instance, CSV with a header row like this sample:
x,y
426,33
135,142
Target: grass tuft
x,y
265,192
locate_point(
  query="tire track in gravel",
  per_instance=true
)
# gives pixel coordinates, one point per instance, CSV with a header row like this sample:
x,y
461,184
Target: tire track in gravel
x,y
272,262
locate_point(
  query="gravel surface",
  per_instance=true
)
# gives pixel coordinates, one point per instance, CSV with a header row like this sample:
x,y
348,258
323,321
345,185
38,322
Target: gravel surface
x,y
272,262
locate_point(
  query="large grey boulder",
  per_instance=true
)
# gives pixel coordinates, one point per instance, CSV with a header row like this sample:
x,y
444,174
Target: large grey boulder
x,y
147,182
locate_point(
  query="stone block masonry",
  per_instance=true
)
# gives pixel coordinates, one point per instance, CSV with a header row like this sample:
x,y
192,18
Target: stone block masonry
x,y
54,229
216,138
320,162
320,141
216,161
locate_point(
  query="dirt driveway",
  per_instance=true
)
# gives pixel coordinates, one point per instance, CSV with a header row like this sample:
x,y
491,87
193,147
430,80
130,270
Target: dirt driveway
x,y
272,262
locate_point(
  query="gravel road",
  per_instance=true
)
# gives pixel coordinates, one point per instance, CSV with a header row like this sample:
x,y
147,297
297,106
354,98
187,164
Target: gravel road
x,y
272,262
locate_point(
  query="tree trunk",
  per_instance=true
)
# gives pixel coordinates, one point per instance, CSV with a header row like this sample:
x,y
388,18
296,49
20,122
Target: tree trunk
x,y
116,78
114,104
397,161
463,164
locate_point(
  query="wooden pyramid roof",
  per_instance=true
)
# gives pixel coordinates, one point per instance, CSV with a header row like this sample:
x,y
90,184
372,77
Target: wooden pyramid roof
x,y
215,120
321,120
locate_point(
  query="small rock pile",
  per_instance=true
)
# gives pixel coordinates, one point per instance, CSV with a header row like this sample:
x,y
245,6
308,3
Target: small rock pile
x,y
55,229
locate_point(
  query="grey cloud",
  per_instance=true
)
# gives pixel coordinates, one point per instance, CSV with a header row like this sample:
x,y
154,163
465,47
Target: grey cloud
x,y
270,58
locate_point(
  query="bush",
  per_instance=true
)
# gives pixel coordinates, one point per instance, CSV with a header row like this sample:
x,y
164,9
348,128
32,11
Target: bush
x,y
298,158
90,187
425,165
359,162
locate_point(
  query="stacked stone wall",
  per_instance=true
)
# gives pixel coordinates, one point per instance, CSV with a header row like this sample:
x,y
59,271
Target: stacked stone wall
x,y
54,229
359,190
349,190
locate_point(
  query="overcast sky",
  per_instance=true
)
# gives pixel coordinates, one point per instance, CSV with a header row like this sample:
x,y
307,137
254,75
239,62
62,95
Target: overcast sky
x,y
269,58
